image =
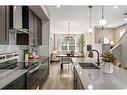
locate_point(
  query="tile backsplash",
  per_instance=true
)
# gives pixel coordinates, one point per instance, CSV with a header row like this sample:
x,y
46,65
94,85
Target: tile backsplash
x,y
8,48
16,48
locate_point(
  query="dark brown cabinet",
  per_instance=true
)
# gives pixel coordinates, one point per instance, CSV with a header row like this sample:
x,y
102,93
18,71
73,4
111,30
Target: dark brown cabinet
x,y
33,79
30,21
33,23
23,38
76,81
39,32
43,73
4,24
35,29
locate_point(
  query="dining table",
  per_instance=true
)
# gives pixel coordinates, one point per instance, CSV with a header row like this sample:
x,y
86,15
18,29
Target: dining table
x,y
62,56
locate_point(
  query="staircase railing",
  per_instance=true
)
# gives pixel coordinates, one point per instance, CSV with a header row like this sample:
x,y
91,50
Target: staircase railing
x,y
122,36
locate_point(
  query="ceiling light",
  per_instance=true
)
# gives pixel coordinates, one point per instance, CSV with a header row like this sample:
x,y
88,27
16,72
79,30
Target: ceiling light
x,y
102,21
90,29
68,37
58,6
115,7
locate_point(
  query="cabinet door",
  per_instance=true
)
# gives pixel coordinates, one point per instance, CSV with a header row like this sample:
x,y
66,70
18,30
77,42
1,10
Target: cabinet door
x,y
47,67
31,27
39,32
35,29
41,75
33,80
4,15
35,33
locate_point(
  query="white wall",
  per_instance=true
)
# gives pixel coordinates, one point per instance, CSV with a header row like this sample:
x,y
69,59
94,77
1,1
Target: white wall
x,y
107,32
113,34
89,37
118,30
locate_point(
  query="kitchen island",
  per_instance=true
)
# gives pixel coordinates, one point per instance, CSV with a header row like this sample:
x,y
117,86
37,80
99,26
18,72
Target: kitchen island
x,y
97,79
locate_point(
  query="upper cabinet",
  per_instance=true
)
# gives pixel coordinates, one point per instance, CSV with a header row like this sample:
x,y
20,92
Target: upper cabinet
x,y
33,23
4,24
23,25
35,29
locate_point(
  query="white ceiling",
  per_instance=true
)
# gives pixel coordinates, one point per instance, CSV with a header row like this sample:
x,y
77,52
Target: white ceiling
x,y
78,16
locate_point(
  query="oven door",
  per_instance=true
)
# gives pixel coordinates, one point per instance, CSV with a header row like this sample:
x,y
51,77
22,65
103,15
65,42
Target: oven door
x,y
33,77
9,64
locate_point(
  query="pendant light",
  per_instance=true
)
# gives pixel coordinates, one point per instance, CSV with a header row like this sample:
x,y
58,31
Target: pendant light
x,y
102,22
90,28
68,37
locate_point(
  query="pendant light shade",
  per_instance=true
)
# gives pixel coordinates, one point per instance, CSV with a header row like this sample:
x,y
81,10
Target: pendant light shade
x,y
90,29
102,21
68,37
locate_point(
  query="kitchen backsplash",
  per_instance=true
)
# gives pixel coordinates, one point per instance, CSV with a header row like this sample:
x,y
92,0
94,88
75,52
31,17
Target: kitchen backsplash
x,y
17,48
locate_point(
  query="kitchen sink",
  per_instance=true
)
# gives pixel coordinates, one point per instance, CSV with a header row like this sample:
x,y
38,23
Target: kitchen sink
x,y
88,66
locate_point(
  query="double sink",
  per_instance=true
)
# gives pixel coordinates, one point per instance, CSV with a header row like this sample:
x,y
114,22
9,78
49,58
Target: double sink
x,y
88,66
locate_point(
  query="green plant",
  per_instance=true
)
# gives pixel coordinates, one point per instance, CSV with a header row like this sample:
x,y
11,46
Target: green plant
x,y
81,42
108,57
26,50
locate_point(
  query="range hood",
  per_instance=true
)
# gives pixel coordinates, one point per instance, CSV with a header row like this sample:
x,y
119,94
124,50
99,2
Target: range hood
x,y
17,23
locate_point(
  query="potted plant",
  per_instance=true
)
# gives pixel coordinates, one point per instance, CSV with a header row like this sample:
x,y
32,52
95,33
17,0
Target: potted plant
x,y
80,43
108,59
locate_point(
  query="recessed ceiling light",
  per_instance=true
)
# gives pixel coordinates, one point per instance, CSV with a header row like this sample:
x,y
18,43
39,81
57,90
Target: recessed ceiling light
x,y
115,7
58,6
125,19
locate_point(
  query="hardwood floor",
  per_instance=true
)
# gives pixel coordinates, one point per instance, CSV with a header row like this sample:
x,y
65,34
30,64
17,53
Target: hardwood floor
x,y
59,79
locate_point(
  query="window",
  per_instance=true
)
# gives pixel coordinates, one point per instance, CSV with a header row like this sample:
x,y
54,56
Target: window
x,y
67,45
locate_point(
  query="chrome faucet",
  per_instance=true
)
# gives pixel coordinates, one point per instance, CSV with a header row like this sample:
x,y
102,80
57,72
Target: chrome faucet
x,y
91,55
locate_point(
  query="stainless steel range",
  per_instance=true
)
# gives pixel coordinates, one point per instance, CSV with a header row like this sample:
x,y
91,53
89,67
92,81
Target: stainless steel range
x,y
9,60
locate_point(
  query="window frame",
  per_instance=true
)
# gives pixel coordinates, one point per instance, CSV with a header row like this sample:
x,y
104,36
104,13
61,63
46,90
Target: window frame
x,y
68,44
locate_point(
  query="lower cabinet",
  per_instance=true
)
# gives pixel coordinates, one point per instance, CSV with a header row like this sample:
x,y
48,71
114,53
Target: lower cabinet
x,y
33,79
19,83
43,73
76,81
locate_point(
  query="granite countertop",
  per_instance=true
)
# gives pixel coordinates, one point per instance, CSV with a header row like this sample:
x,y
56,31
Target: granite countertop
x,y
97,79
7,76
40,59
64,55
